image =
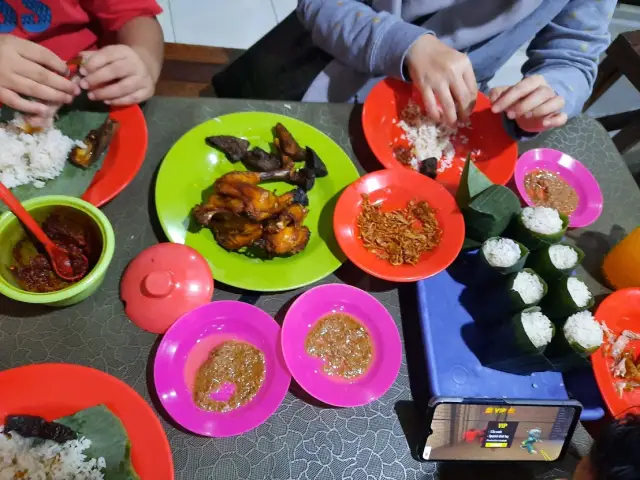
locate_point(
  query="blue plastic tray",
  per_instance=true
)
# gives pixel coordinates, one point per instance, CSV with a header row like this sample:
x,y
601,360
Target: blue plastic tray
x,y
455,370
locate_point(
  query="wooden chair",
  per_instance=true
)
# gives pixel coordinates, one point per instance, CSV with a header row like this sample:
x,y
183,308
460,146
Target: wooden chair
x,y
188,69
623,58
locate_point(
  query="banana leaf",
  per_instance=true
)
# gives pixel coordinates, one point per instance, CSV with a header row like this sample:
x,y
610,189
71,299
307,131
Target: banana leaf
x,y
558,304
75,121
565,355
535,241
108,440
516,267
540,261
487,208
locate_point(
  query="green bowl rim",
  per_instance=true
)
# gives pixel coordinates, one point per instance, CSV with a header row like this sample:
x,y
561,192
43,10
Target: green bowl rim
x,y
108,242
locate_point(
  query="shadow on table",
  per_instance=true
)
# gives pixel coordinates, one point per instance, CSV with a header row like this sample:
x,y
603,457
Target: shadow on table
x,y
351,275
151,206
596,245
13,308
359,143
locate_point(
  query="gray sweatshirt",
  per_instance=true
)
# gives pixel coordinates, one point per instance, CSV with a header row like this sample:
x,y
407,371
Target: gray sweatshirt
x,y
368,42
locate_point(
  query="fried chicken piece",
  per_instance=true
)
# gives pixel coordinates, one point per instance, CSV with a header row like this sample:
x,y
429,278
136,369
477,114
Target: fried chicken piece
x,y
258,204
288,241
234,232
214,205
287,144
293,215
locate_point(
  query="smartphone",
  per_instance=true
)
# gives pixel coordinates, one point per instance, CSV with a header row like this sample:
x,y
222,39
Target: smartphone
x,y
481,430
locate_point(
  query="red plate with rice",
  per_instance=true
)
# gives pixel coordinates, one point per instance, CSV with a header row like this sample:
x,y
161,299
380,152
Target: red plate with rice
x,y
495,153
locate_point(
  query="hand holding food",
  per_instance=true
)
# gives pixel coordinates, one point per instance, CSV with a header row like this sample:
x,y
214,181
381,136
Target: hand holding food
x,y
445,78
117,75
532,103
30,70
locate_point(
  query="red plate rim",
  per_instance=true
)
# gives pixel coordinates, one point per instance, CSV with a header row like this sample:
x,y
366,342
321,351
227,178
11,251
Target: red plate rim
x,y
448,213
54,390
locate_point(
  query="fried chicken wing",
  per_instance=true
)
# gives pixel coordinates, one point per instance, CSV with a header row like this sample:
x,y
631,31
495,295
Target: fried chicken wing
x,y
258,204
234,232
214,205
288,241
287,144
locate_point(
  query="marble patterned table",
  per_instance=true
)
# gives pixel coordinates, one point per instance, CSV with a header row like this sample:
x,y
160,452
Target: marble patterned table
x,y
301,440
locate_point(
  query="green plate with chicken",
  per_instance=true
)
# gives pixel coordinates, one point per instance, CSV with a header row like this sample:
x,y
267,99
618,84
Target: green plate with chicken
x,y
255,193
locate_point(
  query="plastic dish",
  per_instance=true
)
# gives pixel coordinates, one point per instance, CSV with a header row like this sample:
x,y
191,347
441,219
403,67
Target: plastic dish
x,y
619,311
11,232
316,303
394,189
185,179
495,151
450,335
71,388
163,283
187,345
573,172
124,158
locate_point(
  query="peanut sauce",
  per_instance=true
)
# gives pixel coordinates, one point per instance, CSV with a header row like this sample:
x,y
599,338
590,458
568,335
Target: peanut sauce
x,y
231,362
548,189
343,343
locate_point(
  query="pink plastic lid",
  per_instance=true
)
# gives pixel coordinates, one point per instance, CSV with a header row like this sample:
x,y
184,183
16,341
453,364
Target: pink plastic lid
x,y
163,283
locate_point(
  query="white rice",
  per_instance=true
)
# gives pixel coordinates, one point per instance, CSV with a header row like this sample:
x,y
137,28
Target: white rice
x,y
501,252
579,292
426,138
543,220
47,460
32,158
563,256
529,287
581,328
538,328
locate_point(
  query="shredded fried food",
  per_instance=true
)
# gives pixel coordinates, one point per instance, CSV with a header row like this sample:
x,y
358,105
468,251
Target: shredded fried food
x,y
400,236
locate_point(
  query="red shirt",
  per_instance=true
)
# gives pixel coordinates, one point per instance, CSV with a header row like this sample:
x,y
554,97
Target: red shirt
x,y
68,27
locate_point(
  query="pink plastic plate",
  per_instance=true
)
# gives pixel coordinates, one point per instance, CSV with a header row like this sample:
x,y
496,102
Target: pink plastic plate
x,y
307,370
186,346
573,172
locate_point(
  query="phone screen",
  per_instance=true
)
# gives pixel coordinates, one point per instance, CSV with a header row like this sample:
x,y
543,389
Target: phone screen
x,y
499,432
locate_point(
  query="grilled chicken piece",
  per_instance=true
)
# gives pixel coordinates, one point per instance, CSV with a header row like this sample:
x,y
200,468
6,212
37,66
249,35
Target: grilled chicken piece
x,y
214,205
287,144
234,148
258,160
293,215
234,232
288,241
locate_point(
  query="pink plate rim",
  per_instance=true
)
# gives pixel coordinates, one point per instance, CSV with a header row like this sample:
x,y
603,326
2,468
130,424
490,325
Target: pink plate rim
x,y
590,202
219,321
312,305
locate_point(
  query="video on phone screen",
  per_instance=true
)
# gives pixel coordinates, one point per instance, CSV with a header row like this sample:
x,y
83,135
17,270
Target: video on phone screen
x,y
498,433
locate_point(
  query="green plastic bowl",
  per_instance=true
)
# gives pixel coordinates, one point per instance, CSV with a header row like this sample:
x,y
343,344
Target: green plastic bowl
x,y
12,231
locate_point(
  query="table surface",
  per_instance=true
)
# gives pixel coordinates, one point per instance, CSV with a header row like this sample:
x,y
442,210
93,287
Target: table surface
x,y
302,440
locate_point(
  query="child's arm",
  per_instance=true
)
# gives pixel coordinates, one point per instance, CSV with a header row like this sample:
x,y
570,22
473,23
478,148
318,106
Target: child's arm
x,y
566,52
366,40
144,36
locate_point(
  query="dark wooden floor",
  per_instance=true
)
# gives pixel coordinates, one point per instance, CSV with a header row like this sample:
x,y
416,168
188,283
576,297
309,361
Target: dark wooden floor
x,y
188,69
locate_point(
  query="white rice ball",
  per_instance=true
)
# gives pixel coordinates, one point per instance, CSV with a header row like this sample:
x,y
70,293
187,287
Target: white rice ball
x,y
579,291
582,328
542,220
563,256
501,252
529,287
538,328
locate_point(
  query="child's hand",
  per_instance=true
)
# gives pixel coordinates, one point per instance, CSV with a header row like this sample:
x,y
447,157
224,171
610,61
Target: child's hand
x,y
31,70
117,75
532,103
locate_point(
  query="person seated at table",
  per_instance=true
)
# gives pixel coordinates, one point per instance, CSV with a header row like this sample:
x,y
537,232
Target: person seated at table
x,y
450,48
120,41
614,455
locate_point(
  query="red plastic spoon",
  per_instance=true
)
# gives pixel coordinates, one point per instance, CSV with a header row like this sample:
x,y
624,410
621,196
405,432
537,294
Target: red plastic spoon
x,y
69,267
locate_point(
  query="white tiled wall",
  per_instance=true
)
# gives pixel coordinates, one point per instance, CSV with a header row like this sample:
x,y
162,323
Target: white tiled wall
x,y
221,23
